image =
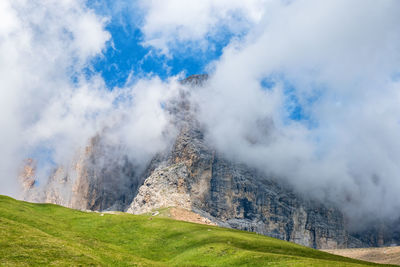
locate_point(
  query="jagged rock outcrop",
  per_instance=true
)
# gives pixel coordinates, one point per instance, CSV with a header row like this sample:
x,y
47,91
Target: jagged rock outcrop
x,y
27,175
192,175
167,181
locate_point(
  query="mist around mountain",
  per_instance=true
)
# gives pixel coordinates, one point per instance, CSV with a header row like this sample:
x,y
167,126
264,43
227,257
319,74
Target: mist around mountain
x,y
190,173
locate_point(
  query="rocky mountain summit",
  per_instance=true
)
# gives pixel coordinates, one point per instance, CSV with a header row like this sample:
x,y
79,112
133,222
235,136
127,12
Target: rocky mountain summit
x,y
192,175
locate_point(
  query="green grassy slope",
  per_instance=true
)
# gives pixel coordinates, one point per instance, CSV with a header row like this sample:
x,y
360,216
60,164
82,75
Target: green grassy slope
x,y
45,234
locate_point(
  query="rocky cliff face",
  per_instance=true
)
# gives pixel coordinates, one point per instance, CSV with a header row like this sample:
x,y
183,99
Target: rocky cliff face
x,y
233,195
98,178
193,176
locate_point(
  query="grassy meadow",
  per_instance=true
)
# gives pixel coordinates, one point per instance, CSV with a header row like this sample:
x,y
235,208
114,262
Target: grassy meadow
x,y
47,234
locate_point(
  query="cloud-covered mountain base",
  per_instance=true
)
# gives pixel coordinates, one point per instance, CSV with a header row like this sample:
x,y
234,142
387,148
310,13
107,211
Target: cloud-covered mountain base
x,y
192,174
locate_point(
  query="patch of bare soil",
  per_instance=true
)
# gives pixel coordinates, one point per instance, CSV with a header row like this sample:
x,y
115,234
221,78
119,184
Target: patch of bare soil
x,y
387,255
188,216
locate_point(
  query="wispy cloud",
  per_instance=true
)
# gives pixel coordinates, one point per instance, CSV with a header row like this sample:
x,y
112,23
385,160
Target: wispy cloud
x,y
174,24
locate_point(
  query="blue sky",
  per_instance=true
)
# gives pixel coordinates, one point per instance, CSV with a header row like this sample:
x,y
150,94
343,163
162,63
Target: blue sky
x,y
126,52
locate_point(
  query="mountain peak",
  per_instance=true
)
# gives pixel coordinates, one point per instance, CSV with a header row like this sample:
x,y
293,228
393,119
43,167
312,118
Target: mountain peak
x,y
196,79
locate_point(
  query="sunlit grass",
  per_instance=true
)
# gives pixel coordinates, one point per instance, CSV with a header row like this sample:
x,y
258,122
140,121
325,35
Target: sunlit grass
x,y
46,234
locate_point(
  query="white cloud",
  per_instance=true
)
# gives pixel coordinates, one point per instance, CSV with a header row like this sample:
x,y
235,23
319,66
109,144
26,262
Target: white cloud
x,y
140,123
169,24
41,45
341,54
46,101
